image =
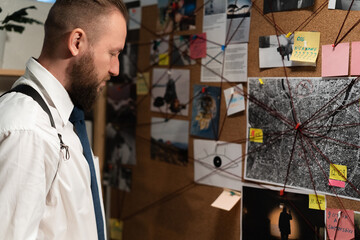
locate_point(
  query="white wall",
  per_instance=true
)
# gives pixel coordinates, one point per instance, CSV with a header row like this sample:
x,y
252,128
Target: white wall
x,y
19,47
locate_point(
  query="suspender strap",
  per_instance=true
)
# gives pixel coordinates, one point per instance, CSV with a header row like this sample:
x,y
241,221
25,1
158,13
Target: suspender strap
x,y
27,90
30,91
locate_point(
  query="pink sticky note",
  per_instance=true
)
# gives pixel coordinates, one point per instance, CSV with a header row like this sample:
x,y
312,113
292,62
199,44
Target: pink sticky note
x,y
198,46
340,222
336,183
335,61
355,59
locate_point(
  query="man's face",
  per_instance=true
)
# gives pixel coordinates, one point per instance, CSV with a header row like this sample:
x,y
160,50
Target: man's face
x,y
89,73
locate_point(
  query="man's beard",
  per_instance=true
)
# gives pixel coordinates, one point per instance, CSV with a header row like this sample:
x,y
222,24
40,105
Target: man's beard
x,y
84,82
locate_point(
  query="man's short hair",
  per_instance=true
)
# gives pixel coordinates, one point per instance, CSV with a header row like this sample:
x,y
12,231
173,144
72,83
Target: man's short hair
x,y
66,15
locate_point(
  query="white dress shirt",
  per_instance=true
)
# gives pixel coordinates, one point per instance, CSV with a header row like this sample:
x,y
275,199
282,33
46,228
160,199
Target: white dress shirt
x,y
43,195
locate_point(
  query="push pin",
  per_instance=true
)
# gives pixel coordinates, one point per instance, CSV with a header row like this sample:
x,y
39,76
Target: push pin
x,y
203,90
297,126
223,47
288,35
261,81
194,36
282,192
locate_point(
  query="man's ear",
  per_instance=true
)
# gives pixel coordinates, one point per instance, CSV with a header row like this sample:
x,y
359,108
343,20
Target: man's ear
x,y
77,41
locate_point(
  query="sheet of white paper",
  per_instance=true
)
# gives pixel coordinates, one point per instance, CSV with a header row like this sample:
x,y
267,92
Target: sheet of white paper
x,y
218,163
231,68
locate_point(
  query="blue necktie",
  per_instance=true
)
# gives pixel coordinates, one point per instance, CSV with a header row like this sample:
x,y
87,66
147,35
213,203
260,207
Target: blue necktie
x,y
77,119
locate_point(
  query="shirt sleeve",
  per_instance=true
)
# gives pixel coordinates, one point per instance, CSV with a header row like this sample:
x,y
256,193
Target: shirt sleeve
x,y
26,174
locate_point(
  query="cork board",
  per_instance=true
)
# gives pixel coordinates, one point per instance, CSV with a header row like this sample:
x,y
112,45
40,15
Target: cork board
x,y
165,202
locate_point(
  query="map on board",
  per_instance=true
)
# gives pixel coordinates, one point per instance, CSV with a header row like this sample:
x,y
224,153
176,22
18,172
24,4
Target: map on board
x,y
299,127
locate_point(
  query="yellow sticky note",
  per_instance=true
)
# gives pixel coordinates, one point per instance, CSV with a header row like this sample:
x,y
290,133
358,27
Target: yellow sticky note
x,y
142,83
163,59
116,228
306,47
334,172
256,135
315,201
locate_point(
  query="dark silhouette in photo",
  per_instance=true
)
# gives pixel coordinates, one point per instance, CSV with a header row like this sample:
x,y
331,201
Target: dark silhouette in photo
x,y
284,224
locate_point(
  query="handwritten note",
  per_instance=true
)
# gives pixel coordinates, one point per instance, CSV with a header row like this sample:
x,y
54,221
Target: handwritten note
x,y
317,202
335,61
306,47
340,223
256,135
338,172
198,46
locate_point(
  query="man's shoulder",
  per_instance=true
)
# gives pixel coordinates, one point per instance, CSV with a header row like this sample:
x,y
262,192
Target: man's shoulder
x,y
19,112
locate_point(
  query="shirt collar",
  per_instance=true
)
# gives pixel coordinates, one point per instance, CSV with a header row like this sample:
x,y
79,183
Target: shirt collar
x,y
53,90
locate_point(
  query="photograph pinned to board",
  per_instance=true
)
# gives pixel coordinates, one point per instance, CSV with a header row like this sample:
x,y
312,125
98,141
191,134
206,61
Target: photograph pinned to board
x,y
159,52
271,54
175,15
234,98
125,180
145,3
285,5
120,178
121,103
286,215
238,21
218,163
327,110
170,91
134,18
357,224
169,140
134,23
180,54
120,152
120,144
205,111
214,7
344,5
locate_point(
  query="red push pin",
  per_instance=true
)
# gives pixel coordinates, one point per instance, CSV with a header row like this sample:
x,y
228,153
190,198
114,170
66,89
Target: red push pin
x,y
282,192
203,89
333,45
297,126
